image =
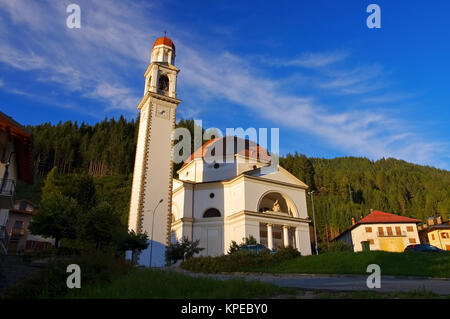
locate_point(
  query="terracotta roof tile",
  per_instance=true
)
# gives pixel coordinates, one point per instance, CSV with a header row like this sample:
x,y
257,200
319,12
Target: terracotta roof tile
x,y
381,217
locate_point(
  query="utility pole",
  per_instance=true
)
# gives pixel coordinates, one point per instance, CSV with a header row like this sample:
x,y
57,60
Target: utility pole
x,y
151,240
314,221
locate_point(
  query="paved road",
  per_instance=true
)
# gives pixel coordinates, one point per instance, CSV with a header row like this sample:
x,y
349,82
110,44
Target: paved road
x,y
340,282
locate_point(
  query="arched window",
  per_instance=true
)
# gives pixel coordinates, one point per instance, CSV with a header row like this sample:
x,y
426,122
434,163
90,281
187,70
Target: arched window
x,y
212,212
163,84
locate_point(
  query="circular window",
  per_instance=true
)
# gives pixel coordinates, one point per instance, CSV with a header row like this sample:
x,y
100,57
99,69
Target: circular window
x,y
216,166
211,195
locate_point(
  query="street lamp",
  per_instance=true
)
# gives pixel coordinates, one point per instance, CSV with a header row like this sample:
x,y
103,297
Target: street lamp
x,y
314,220
151,239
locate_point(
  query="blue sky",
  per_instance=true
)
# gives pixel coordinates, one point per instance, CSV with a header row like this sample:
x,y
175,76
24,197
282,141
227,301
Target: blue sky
x,y
311,68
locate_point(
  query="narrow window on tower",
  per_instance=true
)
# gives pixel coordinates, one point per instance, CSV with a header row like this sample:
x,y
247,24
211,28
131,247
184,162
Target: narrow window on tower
x,y
163,85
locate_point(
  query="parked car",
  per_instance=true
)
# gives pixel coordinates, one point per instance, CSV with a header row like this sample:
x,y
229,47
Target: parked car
x,y
423,247
257,248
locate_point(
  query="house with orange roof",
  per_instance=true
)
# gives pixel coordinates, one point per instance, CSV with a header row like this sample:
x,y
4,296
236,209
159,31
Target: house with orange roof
x,y
381,231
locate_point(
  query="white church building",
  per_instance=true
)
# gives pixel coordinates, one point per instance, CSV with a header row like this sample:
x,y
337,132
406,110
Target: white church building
x,y
224,201
216,202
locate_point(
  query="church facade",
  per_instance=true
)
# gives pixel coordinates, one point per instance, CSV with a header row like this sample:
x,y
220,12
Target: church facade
x,y
225,200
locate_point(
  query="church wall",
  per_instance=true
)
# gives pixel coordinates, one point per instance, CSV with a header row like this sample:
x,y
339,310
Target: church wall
x,y
203,201
234,230
234,198
224,171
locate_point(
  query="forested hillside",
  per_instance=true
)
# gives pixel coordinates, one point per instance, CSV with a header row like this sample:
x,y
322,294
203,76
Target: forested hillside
x,y
344,187
351,187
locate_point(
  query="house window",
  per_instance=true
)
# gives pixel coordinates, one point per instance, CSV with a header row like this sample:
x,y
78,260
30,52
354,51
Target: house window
x,y
409,229
398,231
412,240
389,231
212,212
444,235
380,231
368,229
18,224
432,236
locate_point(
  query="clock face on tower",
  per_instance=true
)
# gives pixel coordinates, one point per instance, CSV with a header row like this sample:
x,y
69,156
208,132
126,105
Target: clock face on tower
x,y
163,111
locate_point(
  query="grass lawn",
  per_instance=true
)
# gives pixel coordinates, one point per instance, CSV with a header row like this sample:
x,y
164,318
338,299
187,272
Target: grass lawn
x,y
401,264
147,283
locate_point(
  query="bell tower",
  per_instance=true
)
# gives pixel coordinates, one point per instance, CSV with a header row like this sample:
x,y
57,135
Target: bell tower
x,y
151,193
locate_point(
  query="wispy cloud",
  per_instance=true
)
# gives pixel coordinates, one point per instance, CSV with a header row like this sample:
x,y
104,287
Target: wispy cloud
x,y
316,60
95,62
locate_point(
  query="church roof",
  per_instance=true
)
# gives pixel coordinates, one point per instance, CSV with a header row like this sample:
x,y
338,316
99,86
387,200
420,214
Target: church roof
x,y
164,41
242,147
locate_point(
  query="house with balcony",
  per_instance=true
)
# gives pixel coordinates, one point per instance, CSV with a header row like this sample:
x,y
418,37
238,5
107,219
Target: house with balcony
x,y
381,231
15,164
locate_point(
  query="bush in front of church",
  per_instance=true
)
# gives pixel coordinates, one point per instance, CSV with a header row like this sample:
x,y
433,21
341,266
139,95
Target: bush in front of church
x,y
239,261
284,253
182,250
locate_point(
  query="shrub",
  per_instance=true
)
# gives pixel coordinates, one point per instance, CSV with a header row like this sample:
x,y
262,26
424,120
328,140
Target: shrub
x,y
284,253
182,250
50,282
238,261
235,247
339,246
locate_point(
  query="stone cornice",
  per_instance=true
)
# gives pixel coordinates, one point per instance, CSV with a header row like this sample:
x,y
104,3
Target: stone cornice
x,y
148,94
267,216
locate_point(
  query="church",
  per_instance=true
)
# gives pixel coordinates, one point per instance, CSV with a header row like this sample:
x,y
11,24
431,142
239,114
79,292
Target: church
x,y
226,190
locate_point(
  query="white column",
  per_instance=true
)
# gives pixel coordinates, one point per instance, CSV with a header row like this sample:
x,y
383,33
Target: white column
x,y
285,236
297,238
269,237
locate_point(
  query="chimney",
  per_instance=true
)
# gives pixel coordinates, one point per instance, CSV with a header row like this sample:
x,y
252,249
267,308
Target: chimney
x,y
439,220
353,221
430,221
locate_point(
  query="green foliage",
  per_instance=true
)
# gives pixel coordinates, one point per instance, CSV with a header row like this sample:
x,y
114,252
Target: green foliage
x,y
57,218
350,187
249,240
151,283
239,261
395,264
234,247
182,250
96,268
337,246
101,225
284,253
70,210
134,242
